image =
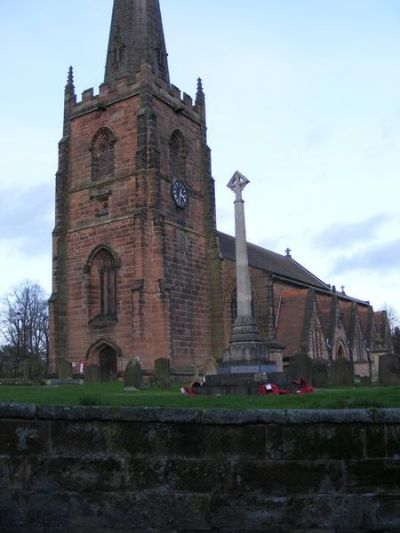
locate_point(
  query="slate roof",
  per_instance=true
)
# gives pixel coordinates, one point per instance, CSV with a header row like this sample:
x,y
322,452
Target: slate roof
x,y
291,319
280,265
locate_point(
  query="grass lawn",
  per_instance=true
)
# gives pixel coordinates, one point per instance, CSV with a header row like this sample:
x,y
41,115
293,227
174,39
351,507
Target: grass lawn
x,y
113,394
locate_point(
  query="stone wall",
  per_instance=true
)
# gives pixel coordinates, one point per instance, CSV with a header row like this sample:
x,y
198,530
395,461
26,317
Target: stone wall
x,y
81,469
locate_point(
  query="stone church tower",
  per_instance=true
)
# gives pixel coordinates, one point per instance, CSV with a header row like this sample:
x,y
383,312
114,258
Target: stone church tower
x,y
136,270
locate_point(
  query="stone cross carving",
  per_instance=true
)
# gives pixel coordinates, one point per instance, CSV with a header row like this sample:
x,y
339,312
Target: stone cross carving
x,y
243,288
237,183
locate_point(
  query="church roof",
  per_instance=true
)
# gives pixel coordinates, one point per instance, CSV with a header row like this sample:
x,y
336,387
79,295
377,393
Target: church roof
x,y
292,315
272,262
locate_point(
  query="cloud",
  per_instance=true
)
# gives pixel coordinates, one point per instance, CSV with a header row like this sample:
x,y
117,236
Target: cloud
x,y
26,219
317,138
382,258
350,233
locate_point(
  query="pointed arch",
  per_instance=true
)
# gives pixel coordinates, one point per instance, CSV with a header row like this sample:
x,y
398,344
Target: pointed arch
x,y
177,155
341,351
105,353
101,267
106,248
101,343
103,157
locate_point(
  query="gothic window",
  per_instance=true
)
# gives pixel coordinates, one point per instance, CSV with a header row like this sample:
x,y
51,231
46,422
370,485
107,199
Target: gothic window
x,y
102,289
107,285
102,149
177,155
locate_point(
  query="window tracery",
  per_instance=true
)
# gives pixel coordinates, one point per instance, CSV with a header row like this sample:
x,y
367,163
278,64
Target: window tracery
x,y
103,156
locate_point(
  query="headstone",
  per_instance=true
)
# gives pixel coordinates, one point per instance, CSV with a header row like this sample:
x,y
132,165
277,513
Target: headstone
x,y
341,372
24,369
319,373
64,369
92,374
7,369
389,369
162,372
133,378
37,370
300,367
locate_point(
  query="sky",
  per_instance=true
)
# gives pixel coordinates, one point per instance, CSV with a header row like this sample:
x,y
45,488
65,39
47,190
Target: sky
x,y
303,97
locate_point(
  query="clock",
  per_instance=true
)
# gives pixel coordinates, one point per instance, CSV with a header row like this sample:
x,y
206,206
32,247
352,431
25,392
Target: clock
x,y
180,194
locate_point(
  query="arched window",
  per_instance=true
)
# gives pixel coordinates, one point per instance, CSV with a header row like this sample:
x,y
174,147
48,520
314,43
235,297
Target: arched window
x,y
102,268
177,155
106,271
102,149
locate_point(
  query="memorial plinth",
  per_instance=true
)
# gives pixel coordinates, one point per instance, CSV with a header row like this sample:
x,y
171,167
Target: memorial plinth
x,y
246,358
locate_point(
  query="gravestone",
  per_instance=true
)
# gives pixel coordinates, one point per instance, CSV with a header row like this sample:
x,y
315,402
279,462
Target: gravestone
x,y
37,370
64,369
133,378
319,373
7,369
92,374
341,372
389,369
300,366
31,369
162,372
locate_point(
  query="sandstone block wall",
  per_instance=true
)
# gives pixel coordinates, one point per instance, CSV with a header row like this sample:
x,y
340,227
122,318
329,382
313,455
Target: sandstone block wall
x,y
79,469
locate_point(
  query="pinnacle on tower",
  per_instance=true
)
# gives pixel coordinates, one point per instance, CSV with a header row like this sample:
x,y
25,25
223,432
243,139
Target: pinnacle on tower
x,y
200,97
136,37
69,100
70,87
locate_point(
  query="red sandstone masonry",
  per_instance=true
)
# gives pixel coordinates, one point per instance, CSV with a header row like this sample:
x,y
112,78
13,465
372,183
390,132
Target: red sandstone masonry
x,y
163,305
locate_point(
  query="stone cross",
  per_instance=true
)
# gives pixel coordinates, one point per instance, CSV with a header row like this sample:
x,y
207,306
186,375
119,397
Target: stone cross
x,y
243,288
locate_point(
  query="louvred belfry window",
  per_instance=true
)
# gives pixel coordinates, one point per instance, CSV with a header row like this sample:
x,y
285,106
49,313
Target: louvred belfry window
x,y
103,156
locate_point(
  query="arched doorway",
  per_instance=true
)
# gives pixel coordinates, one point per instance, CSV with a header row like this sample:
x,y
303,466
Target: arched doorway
x,y
108,364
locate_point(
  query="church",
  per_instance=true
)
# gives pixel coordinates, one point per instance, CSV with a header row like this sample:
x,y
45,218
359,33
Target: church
x,y
140,270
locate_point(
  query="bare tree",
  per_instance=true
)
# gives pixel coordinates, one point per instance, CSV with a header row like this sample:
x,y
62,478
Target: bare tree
x,y
396,340
392,316
25,322
394,324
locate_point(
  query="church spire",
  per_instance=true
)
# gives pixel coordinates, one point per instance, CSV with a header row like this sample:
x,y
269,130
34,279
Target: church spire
x,y
136,37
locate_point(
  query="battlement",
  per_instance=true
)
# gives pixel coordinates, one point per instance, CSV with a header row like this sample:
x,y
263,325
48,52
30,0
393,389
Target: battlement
x,y
126,87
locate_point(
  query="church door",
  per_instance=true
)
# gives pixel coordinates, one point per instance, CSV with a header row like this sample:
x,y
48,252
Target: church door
x,y
108,365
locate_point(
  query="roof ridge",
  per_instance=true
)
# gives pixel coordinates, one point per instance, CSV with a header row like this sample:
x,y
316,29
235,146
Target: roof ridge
x,y
290,258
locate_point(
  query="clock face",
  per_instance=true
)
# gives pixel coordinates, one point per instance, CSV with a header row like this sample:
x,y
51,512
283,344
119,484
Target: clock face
x,y
180,194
